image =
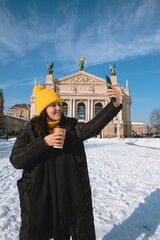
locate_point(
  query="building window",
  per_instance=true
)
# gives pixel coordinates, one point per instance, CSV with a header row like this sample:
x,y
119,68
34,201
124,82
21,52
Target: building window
x,y
22,114
115,128
98,108
81,111
65,109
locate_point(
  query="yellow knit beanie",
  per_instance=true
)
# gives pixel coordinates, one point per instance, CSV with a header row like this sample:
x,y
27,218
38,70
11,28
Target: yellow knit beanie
x,y
44,97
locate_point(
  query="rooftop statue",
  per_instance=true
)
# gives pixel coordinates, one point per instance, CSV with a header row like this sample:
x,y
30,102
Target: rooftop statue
x,y
50,68
81,63
1,93
112,69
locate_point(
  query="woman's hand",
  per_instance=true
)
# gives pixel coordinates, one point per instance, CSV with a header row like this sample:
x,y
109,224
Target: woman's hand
x,y
54,139
115,93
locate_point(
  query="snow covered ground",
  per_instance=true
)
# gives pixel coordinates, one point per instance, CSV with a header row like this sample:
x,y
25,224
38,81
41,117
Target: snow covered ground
x,y
125,181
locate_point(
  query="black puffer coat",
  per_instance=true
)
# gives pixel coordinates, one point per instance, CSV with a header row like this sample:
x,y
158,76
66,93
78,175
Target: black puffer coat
x,y
53,177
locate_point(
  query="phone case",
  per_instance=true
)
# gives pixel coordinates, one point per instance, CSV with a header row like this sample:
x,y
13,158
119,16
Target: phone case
x,y
108,80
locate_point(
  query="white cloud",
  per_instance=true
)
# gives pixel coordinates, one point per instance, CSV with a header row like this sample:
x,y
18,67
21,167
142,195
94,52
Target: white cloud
x,y
3,86
18,82
127,31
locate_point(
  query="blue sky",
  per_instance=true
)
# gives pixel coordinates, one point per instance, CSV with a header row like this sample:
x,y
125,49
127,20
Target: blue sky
x,y
126,33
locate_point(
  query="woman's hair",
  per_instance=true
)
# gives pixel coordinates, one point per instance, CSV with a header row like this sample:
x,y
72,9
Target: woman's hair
x,y
40,123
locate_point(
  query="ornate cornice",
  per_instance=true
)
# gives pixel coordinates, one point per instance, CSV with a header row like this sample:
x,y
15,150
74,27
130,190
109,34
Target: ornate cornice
x,y
80,78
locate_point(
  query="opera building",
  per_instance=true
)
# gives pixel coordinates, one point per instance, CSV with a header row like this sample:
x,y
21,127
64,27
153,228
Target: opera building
x,y
84,95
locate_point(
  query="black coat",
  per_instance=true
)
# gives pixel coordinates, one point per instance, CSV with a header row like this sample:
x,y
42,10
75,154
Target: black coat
x,y
70,173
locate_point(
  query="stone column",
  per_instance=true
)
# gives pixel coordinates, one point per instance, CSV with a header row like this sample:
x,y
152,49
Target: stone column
x,y
120,116
74,107
33,112
129,110
128,113
102,133
88,109
70,112
118,129
91,108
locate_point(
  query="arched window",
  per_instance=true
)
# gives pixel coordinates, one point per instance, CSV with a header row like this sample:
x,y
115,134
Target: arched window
x,y
21,114
65,109
81,111
115,128
98,108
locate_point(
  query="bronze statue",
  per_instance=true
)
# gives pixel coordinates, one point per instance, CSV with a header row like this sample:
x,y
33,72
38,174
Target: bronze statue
x,y
81,63
112,69
50,68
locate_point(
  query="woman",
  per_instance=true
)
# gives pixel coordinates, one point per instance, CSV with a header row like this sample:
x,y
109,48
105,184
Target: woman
x,y
55,193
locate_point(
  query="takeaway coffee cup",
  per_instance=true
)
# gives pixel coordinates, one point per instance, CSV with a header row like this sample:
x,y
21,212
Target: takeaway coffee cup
x,y
60,129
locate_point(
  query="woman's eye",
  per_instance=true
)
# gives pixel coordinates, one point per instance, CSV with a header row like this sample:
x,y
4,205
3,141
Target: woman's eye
x,y
52,105
55,104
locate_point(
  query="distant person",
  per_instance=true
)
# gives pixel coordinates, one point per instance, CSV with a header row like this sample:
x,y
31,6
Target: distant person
x,y
55,193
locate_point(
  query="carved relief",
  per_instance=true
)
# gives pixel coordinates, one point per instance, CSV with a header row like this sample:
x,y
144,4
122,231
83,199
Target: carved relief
x,y
73,89
81,80
81,89
91,89
64,89
57,89
100,89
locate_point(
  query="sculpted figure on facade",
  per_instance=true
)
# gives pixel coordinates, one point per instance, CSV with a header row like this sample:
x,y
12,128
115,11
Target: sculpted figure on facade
x,y
81,63
112,69
50,68
91,89
73,89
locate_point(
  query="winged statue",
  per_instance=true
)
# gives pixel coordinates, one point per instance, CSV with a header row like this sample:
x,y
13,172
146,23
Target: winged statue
x,y
50,67
81,63
112,69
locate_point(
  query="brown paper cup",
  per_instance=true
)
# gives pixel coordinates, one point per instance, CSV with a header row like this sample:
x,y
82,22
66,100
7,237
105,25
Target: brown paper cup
x,y
59,129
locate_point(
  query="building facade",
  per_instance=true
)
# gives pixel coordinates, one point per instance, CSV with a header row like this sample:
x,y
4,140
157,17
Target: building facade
x,y
139,128
84,95
14,125
1,111
20,110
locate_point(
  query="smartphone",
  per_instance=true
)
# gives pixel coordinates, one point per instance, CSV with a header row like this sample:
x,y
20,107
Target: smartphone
x,y
108,80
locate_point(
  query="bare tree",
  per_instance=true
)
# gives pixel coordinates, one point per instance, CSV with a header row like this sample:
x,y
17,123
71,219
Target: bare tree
x,y
155,119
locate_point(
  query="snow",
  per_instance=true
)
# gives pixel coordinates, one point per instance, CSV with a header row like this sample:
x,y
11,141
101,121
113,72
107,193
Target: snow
x,y
124,177
138,123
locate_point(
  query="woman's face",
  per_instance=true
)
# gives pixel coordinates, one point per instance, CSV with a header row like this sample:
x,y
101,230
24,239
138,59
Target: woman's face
x,y
54,111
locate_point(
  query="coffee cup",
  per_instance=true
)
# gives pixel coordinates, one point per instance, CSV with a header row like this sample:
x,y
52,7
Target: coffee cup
x,y
60,129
